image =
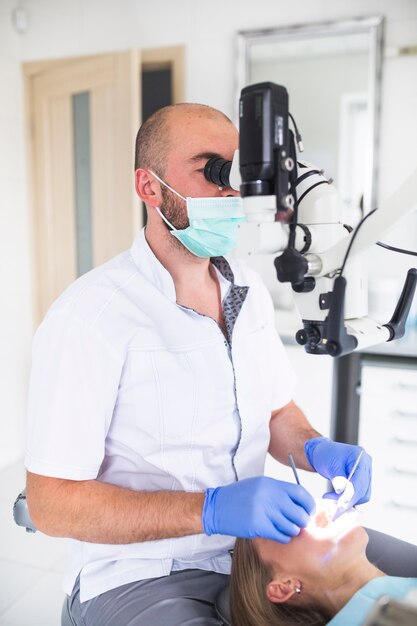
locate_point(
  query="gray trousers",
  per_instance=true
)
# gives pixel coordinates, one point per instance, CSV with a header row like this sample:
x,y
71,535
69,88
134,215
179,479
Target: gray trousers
x,y
185,598
199,598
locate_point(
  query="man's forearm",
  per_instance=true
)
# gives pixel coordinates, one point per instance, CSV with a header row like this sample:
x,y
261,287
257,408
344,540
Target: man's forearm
x,y
289,430
101,513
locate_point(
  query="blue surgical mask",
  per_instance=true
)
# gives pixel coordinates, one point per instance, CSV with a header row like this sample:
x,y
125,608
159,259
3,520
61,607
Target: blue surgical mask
x,y
213,224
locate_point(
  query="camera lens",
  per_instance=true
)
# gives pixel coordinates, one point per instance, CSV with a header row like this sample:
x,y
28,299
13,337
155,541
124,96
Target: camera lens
x,y
217,171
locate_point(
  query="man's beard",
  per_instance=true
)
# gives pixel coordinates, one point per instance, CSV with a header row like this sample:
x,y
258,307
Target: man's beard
x,y
174,210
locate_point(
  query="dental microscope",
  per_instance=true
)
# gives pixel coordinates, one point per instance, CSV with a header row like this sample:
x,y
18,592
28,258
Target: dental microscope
x,y
292,210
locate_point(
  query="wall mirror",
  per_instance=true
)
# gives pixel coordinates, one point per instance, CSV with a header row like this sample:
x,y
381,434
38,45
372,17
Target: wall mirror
x,y
332,72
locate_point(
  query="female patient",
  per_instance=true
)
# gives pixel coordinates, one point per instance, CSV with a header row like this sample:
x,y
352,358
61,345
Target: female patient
x,y
321,577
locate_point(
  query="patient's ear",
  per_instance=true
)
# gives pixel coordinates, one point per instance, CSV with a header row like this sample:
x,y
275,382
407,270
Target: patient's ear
x,y
281,590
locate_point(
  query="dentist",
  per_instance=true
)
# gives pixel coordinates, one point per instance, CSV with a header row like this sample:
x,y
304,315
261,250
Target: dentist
x,y
158,385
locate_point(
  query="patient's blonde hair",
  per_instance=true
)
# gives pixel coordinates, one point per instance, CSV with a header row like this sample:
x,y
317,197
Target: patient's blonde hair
x,y
249,603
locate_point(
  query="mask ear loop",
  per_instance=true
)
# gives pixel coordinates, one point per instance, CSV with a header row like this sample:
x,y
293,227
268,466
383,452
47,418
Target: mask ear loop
x,y
166,185
170,226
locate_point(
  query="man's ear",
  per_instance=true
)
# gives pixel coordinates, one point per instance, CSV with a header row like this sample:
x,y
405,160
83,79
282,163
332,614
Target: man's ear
x,y
281,590
148,188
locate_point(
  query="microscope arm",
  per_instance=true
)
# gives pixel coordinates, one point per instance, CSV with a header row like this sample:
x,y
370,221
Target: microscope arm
x,y
343,333
402,202
343,325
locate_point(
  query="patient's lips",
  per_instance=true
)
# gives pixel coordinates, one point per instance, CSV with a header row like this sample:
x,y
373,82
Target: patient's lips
x,y
321,525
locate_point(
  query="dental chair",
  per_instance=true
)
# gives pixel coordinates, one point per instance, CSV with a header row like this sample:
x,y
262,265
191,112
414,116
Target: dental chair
x,y
22,517
393,556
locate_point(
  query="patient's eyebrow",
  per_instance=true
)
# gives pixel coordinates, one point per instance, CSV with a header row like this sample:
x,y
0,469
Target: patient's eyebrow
x,y
205,156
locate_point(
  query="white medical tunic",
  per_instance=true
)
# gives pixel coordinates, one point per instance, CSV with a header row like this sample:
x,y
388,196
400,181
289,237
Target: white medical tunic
x,y
129,388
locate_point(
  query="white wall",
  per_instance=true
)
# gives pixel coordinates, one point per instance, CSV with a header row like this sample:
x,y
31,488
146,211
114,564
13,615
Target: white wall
x,y
15,276
59,28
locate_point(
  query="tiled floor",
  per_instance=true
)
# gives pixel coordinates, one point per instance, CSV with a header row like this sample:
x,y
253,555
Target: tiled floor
x,y
31,565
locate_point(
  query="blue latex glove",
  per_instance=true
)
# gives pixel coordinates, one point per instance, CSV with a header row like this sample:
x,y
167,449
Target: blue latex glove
x,y
334,461
257,507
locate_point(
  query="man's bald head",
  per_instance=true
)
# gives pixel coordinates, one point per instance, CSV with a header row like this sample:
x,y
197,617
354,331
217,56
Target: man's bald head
x,y
153,138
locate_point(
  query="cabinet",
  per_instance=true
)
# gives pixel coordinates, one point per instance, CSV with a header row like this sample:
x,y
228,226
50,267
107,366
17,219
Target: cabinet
x,y
375,404
388,431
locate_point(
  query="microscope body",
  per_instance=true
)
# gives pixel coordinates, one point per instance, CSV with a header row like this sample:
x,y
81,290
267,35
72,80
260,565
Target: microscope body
x,y
293,211
319,226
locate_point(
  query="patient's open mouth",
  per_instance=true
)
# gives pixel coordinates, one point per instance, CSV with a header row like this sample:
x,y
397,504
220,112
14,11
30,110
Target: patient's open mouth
x,y
322,519
321,524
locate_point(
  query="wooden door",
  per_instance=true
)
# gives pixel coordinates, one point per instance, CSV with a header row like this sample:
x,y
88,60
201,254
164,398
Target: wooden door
x,y
84,115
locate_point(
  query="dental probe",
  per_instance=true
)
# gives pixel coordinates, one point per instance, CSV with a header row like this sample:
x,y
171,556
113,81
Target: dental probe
x,y
340,509
294,469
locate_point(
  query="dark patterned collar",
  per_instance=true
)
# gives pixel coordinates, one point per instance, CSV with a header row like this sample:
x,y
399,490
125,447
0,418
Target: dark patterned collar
x,y
236,296
224,268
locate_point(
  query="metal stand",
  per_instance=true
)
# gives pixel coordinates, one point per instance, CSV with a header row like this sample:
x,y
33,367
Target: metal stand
x,y
346,398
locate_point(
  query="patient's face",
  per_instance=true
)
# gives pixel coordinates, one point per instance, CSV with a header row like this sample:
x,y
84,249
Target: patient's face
x,y
323,545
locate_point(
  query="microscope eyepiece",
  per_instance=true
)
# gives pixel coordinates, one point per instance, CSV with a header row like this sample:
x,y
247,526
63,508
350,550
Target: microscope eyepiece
x,y
217,171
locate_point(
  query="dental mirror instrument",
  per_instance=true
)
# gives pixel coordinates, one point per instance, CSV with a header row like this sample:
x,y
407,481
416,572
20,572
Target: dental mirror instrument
x,y
340,507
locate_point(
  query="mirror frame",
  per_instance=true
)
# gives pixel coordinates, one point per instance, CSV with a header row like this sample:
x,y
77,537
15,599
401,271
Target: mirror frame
x,y
373,26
